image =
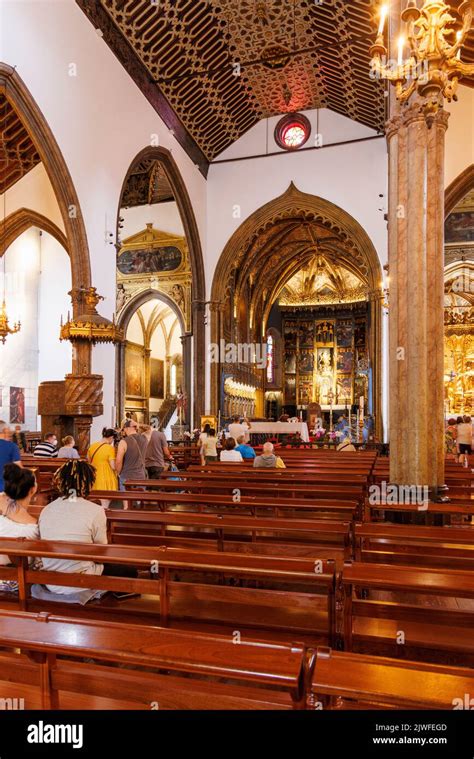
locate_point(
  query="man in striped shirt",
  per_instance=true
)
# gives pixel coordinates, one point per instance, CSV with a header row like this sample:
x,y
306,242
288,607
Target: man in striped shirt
x,y
48,448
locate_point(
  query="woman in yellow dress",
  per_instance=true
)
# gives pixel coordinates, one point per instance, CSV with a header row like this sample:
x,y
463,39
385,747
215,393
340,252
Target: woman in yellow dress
x,y
102,456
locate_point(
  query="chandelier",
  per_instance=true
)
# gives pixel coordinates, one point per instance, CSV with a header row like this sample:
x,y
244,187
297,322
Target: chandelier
x,y
5,328
90,326
433,66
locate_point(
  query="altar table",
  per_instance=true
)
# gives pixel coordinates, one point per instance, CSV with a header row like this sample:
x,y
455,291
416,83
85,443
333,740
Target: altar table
x,y
280,428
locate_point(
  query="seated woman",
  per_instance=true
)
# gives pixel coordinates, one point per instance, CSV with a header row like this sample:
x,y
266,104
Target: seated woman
x,y
229,454
15,522
73,518
67,451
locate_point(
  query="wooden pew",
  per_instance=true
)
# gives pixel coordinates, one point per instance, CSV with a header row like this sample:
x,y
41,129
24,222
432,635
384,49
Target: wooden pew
x,y
271,475
327,509
445,511
278,597
178,670
446,547
377,616
343,680
262,489
232,533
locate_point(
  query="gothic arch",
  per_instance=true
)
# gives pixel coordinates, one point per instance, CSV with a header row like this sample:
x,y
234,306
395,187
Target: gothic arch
x,y
344,234
191,231
19,97
143,297
458,188
130,309
22,219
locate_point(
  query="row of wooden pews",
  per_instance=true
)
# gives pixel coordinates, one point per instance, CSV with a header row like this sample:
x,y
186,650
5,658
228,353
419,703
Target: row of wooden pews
x,y
163,669
285,561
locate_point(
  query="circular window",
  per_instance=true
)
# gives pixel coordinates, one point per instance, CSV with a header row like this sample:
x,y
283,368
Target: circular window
x,y
292,131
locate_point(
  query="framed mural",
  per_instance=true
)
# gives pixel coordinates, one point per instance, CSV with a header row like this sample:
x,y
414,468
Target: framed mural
x,y
134,370
325,333
17,405
147,261
157,378
344,361
344,332
344,389
290,362
306,361
459,228
306,334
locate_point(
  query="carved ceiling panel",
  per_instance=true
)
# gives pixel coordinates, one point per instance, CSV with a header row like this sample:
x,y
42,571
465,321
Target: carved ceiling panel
x,y
147,184
223,66
18,154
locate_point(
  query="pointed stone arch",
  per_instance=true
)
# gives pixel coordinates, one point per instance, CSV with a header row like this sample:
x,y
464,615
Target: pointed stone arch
x,y
353,243
27,110
22,219
458,188
125,317
188,219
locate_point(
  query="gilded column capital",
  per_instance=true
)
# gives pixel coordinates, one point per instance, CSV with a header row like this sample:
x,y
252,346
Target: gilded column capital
x,y
412,113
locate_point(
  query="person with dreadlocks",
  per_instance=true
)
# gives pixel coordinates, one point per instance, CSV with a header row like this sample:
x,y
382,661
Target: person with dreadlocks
x,y
73,518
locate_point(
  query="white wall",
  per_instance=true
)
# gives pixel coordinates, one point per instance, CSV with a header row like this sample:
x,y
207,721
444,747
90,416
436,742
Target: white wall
x,y
100,120
460,134
37,281
34,192
164,216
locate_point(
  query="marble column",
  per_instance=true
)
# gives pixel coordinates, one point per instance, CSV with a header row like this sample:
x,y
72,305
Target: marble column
x,y
416,264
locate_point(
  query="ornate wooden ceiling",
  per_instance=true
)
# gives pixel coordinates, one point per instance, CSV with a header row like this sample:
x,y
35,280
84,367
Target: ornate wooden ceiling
x,y
293,55
147,184
322,281
17,151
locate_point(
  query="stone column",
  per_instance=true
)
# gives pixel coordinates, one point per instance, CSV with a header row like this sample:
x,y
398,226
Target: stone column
x,y
416,264
147,368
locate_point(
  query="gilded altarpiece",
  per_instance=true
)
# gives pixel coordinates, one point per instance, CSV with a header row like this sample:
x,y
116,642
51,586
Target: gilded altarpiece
x,y
150,263
325,353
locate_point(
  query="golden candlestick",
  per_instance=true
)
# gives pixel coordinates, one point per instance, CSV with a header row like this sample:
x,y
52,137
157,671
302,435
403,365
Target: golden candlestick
x,y
5,328
434,67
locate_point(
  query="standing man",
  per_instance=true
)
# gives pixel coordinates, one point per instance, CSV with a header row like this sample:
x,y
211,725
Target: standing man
x,y
130,461
156,452
238,428
9,452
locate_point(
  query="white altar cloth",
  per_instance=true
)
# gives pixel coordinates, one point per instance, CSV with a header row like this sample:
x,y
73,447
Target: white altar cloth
x,y
280,428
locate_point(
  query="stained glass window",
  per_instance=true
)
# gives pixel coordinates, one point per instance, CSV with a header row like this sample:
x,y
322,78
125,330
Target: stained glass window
x,y
292,131
270,358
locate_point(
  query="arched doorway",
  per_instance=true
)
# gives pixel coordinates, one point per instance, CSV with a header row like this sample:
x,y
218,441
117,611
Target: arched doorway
x,y
151,362
286,245
159,252
459,296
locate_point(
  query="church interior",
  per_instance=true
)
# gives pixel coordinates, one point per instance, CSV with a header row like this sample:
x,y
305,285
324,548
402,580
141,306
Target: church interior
x,y
237,348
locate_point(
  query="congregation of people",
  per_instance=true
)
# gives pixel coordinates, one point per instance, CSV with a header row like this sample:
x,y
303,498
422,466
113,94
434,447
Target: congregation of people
x,y
135,452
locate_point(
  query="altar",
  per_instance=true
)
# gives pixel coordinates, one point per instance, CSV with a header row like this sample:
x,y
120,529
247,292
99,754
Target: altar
x,y
280,428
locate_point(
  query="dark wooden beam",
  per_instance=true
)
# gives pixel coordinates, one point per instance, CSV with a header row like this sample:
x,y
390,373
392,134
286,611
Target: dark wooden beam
x,y
132,64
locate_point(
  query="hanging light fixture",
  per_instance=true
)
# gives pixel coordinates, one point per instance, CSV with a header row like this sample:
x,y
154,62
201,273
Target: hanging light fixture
x,y
5,328
429,53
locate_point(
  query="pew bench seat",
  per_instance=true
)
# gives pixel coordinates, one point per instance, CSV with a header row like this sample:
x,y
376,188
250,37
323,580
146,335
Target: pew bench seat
x,y
355,681
154,666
